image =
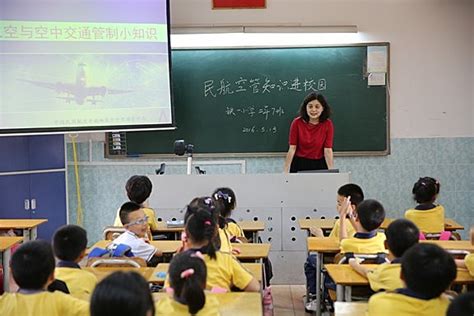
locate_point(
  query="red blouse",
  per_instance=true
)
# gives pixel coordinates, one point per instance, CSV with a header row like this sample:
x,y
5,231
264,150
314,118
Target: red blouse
x,y
310,139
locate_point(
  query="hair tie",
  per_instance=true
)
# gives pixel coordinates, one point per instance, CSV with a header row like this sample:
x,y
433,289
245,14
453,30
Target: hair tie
x,y
198,254
187,273
207,223
224,196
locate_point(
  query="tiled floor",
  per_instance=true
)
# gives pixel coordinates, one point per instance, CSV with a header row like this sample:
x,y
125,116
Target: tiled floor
x,y
288,300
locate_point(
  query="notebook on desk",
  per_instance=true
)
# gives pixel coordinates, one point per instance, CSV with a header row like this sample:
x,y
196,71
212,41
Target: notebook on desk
x,y
175,223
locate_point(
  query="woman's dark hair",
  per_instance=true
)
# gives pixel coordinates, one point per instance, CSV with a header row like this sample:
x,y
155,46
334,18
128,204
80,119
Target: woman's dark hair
x,y
201,227
425,190
315,96
188,275
122,294
227,197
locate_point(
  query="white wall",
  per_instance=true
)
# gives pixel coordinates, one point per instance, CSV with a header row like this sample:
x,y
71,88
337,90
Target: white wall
x,y
432,71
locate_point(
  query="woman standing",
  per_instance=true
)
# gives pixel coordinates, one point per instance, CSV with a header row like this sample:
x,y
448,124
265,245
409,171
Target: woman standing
x,y
311,136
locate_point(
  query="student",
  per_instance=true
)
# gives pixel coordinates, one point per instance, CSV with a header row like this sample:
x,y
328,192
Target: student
x,y
223,269
348,192
138,190
122,294
69,245
427,271
222,239
366,219
227,198
351,192
32,266
401,235
462,305
428,216
468,261
187,277
135,222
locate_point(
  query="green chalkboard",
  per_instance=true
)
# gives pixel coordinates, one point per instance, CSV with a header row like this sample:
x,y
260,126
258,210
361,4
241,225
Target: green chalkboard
x,y
242,101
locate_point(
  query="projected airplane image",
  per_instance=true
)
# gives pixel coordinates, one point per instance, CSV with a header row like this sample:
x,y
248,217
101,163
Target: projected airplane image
x,y
78,91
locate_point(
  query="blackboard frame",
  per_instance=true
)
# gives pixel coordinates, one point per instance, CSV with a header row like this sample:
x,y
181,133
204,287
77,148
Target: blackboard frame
x,y
109,154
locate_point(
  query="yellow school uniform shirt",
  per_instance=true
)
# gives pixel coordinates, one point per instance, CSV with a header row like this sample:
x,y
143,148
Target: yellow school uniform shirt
x,y
80,283
225,241
152,221
337,228
168,306
226,271
385,277
469,261
427,221
391,303
42,303
234,229
371,245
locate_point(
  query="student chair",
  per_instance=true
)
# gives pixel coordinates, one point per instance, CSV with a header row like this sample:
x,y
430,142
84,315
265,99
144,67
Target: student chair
x,y
112,232
134,262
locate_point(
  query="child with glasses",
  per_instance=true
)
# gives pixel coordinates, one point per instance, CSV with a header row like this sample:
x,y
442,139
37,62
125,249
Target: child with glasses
x,y
138,190
135,222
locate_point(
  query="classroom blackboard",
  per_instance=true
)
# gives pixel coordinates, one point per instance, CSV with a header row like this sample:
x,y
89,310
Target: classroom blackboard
x,y
242,101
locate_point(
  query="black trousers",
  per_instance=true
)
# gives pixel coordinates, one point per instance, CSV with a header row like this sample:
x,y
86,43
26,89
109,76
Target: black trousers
x,y
300,164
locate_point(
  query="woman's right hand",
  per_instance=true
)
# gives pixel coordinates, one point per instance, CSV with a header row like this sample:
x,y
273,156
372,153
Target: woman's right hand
x,y
289,158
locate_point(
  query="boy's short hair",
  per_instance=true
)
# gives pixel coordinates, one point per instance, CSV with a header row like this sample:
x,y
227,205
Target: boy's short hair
x,y
127,208
352,190
69,242
401,235
462,305
138,188
32,264
371,214
122,293
428,269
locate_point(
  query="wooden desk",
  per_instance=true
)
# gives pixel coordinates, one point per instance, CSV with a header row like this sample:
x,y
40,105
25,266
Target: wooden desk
x,y
253,227
449,224
28,226
319,246
350,309
250,251
102,272
166,246
328,224
254,268
234,304
345,277
454,246
247,226
6,243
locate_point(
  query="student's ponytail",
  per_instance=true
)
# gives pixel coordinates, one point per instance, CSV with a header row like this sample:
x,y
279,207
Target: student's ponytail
x,y
202,227
188,276
192,292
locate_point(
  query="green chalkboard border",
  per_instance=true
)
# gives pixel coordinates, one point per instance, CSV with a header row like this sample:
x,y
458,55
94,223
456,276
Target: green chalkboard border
x,y
111,155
